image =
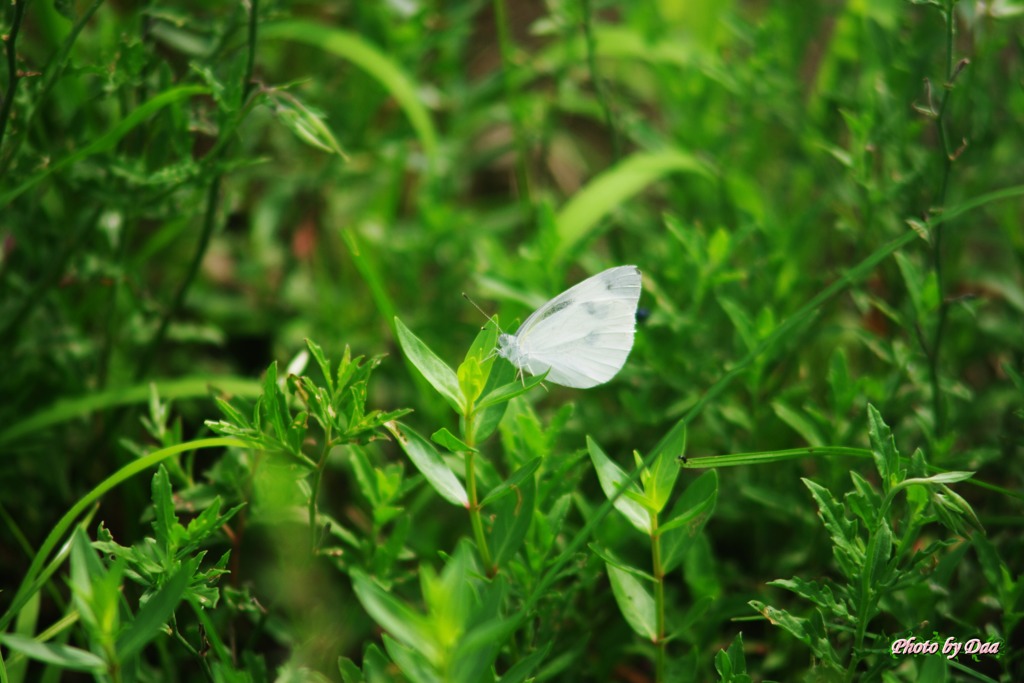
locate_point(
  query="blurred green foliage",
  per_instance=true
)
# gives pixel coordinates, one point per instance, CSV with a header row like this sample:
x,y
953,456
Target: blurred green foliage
x,y
824,200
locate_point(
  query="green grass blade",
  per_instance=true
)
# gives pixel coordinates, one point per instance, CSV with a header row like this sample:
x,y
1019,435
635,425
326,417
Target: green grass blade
x,y
108,139
60,530
581,215
64,656
369,58
70,408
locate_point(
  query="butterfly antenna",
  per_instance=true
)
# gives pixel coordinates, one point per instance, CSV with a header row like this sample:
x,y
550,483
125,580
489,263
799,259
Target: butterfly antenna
x,y
482,311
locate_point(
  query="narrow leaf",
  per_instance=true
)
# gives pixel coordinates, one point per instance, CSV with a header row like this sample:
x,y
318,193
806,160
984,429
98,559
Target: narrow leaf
x,y
635,603
430,463
883,449
368,57
63,656
506,487
580,217
613,480
407,626
433,369
665,468
155,613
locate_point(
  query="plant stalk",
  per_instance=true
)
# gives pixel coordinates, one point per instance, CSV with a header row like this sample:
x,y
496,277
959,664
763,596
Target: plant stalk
x,y
660,643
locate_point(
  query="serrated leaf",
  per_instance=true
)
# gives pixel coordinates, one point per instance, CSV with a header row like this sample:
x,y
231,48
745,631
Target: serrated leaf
x,y
168,532
876,559
883,449
809,631
820,595
155,613
842,531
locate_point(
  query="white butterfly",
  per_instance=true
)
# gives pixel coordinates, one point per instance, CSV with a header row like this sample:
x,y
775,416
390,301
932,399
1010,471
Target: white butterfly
x,y
583,335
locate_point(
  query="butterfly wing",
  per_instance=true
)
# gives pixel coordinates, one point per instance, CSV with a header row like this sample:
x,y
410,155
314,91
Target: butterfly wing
x,y
583,335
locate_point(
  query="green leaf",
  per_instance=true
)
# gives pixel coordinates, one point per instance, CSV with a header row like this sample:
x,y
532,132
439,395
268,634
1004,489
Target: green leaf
x,y
876,560
613,479
635,603
471,378
941,478
168,532
350,673
96,592
512,518
521,670
306,124
799,422
67,409
810,631
411,663
820,594
155,613
507,392
408,627
107,140
64,656
842,531
883,450
580,217
371,59
430,463
731,664
842,387
491,407
688,518
445,438
665,468
433,369
613,561
506,487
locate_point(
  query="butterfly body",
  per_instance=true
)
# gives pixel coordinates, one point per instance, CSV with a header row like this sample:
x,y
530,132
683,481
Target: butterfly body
x,y
583,336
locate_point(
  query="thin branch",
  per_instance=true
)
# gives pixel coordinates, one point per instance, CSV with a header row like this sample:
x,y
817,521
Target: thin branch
x,y
13,76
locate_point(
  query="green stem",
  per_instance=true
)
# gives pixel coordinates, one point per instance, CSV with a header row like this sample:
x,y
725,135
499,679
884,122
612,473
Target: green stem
x,y
938,406
314,494
599,89
54,69
867,599
209,223
659,601
13,77
474,515
250,62
507,49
